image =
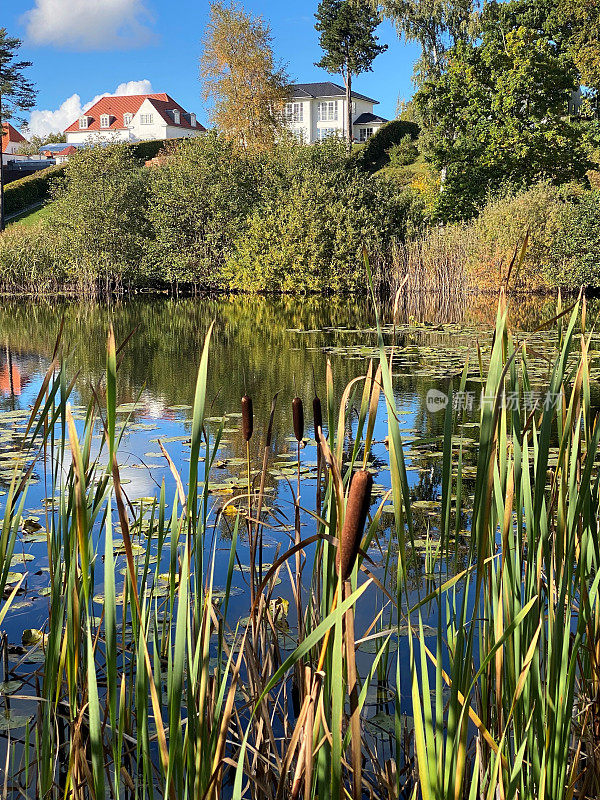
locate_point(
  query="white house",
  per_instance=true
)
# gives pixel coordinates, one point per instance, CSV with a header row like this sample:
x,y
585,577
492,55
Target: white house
x,y
11,141
318,110
133,118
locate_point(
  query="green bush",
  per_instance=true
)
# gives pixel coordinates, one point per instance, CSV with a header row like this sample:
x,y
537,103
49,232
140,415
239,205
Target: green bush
x,y
575,261
308,236
32,260
403,153
199,202
31,189
151,148
373,155
500,229
100,214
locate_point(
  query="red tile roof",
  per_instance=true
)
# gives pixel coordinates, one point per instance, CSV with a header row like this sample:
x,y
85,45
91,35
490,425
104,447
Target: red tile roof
x,y
10,134
67,151
117,106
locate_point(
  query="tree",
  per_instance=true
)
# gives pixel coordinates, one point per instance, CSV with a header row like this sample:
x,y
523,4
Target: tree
x,y
32,147
247,86
17,94
436,25
347,29
496,114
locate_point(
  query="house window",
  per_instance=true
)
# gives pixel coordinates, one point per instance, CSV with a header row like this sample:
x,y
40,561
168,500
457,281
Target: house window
x,y
105,121
325,133
364,134
193,120
146,119
176,117
327,111
353,107
294,112
127,119
83,122
299,134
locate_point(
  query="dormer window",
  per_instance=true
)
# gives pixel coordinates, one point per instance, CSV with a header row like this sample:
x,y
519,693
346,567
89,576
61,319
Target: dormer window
x,y
105,120
176,116
193,120
83,122
127,119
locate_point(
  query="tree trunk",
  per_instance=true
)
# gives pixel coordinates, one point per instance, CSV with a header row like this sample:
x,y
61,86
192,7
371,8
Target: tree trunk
x,y
349,110
1,174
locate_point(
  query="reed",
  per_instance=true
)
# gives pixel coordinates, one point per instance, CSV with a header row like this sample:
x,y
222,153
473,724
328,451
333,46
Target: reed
x,y
163,694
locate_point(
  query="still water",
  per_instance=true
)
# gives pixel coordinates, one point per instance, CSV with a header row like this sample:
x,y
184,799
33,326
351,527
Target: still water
x,y
261,347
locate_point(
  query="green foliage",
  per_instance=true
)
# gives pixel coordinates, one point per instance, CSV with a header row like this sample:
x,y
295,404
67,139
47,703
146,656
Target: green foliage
x,y
309,233
199,201
100,210
347,29
17,94
374,154
32,147
496,115
151,148
575,252
403,153
32,189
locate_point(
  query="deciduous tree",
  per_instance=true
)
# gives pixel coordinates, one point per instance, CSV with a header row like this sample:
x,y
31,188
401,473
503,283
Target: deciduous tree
x,y
242,78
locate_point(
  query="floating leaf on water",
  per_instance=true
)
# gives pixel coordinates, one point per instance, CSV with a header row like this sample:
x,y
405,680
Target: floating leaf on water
x,y
9,687
10,721
33,636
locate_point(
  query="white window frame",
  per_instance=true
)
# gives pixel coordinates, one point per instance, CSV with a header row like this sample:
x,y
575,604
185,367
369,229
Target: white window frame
x,y
364,134
327,111
176,116
146,119
294,112
193,120
105,120
127,119
325,133
83,123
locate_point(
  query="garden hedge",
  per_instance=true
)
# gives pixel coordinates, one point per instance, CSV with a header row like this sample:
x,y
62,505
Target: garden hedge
x,y
373,155
35,188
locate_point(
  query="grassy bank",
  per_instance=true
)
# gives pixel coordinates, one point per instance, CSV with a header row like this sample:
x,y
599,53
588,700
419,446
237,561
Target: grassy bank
x,y
164,693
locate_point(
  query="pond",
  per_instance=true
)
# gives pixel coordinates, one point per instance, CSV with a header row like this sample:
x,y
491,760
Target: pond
x,y
265,348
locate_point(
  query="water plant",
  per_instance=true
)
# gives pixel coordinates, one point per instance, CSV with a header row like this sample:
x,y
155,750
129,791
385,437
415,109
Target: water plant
x,y
477,677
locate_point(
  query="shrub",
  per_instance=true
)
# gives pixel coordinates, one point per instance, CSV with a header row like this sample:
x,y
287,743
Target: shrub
x,y
35,188
151,148
374,154
308,235
100,213
199,202
501,227
403,153
575,259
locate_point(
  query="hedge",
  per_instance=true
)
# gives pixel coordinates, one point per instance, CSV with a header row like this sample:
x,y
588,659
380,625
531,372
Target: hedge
x,y
373,155
35,188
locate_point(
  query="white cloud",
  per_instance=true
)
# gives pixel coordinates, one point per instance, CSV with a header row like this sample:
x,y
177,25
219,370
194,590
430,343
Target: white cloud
x,y
43,122
89,24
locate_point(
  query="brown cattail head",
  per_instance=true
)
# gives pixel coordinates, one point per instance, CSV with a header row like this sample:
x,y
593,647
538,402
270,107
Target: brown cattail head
x,y
247,418
317,416
298,417
357,508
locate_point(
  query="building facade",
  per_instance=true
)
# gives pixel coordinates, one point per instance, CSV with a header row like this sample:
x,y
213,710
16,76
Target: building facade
x,y
133,118
318,110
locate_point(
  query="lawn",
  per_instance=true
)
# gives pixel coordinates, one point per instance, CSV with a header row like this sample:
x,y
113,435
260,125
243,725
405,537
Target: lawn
x,y
28,218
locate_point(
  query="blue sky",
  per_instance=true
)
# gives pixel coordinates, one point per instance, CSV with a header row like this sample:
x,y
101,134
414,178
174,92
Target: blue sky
x,y
83,48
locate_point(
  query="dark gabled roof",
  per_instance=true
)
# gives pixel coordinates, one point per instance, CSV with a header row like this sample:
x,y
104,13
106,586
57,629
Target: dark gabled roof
x,y
365,118
324,89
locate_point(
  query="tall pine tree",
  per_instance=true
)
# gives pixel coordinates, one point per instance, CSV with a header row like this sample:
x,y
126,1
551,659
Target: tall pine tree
x,y
349,44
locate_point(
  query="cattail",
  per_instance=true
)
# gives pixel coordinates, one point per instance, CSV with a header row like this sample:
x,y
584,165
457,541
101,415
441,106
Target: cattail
x,y
317,416
357,508
247,418
298,416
